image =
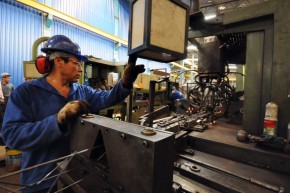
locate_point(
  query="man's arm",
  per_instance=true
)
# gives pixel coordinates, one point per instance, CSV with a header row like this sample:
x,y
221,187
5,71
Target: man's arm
x,y
22,129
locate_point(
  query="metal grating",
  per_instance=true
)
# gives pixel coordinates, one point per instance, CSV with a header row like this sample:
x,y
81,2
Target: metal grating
x,y
236,46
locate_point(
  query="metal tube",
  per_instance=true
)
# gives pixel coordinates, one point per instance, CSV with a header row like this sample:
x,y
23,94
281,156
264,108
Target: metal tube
x,y
8,189
129,107
48,162
61,173
194,6
76,182
151,101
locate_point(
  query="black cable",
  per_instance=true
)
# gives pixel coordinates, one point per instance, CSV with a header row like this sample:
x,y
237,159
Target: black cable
x,y
237,73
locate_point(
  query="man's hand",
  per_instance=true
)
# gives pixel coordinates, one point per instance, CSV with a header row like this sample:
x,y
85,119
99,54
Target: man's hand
x,y
72,110
131,71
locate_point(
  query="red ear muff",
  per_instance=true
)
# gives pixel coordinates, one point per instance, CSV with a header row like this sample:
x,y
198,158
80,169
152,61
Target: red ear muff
x,y
42,64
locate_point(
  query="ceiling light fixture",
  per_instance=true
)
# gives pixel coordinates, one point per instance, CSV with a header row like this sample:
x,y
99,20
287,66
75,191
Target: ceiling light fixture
x,y
209,16
186,61
191,47
242,5
233,66
190,59
222,7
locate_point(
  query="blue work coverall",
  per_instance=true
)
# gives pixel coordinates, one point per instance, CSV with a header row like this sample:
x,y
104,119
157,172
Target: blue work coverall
x,y
30,124
176,95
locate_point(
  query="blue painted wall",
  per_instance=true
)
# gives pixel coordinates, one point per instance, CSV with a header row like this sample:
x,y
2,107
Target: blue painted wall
x,y
20,27
99,14
90,43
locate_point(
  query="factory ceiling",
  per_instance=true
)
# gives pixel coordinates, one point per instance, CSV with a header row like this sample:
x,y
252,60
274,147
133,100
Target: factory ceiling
x,y
220,6
211,8
201,9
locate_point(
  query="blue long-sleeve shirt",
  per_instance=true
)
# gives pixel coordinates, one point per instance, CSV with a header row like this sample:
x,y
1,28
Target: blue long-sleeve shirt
x,y
176,95
30,123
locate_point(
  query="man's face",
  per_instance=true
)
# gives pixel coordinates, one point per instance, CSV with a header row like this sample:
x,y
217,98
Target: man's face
x,y
71,70
6,79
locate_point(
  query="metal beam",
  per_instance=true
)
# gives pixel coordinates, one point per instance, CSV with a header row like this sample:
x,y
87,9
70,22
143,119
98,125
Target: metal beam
x,y
43,8
179,65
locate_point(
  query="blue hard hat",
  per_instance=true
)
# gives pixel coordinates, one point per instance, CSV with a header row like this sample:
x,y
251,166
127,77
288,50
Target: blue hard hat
x,y
61,43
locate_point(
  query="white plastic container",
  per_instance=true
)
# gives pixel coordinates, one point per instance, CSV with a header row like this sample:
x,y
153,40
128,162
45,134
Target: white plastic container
x,y
271,111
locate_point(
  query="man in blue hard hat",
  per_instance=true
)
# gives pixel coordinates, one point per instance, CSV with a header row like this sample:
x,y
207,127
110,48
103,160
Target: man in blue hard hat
x,y
38,112
175,94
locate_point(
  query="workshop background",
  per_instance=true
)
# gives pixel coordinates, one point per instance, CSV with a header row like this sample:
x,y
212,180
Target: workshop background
x,y
24,21
257,32
24,25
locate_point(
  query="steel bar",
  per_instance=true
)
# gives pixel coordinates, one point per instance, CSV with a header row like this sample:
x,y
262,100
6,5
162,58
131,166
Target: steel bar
x,y
49,173
112,189
70,182
48,162
67,171
76,182
9,183
151,102
9,189
65,164
252,180
63,172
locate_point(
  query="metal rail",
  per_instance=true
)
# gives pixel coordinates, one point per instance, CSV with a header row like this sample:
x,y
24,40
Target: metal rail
x,y
46,177
249,179
42,164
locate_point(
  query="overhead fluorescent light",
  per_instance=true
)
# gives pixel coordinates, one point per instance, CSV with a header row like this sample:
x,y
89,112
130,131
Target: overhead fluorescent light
x,y
222,7
178,65
191,47
209,16
232,66
190,59
186,61
242,5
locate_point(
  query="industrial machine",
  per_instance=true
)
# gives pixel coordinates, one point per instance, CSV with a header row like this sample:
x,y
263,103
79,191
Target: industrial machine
x,y
172,154
163,155
114,156
123,157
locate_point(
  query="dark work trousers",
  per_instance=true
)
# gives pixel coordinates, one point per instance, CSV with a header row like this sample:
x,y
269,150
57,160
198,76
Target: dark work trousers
x,y
2,111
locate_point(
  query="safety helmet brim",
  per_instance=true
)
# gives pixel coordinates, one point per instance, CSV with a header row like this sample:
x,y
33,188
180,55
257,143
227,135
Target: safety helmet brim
x,y
51,50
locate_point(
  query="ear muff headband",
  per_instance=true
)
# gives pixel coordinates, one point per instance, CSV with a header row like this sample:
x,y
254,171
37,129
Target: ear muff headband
x,y
42,64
